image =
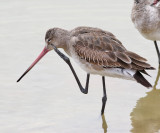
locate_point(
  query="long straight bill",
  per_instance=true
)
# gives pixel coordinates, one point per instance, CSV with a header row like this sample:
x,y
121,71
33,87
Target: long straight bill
x,y
45,50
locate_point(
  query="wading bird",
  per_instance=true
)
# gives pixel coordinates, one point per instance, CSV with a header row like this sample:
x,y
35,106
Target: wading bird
x,y
146,18
97,52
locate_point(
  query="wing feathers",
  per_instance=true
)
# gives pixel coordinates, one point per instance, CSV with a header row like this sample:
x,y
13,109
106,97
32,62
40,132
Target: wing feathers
x,y
110,59
135,56
123,57
102,48
141,64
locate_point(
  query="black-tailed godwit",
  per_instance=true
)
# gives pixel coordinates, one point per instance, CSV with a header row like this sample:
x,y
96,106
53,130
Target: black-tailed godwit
x,y
97,52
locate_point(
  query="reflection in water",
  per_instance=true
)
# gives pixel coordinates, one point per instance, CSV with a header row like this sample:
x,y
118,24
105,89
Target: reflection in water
x,y
146,115
104,124
157,79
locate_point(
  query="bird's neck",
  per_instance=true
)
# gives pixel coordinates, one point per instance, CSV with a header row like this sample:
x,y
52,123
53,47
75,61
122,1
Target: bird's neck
x,y
63,39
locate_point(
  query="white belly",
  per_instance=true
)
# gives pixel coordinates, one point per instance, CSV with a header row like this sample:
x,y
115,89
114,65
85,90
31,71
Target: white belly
x,y
155,35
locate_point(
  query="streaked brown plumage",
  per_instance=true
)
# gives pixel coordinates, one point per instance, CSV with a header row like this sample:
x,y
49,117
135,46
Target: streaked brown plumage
x,y
97,52
104,49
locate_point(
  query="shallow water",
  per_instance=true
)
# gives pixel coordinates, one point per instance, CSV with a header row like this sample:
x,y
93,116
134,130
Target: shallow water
x,y
48,99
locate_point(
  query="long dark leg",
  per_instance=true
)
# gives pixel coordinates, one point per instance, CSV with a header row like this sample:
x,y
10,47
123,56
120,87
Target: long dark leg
x,y
158,53
67,60
104,98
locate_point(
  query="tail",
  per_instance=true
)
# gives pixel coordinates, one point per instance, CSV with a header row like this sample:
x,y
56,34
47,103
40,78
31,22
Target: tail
x,y
140,79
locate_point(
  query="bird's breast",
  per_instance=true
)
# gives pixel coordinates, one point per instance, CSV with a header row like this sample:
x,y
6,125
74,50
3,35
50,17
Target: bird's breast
x,y
147,22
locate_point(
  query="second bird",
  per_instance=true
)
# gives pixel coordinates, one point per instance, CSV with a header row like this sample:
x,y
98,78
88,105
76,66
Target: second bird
x,y
146,18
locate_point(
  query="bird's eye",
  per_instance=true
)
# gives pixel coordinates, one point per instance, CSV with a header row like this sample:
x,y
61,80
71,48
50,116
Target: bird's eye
x,y
49,40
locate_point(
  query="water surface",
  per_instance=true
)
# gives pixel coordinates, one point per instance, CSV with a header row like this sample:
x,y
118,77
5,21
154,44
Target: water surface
x,y
48,100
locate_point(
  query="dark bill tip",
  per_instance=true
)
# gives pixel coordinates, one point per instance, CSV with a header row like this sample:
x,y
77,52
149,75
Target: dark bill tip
x,y
45,50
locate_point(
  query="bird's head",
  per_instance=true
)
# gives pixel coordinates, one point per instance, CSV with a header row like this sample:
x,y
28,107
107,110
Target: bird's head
x,y
139,1
155,2
55,37
145,2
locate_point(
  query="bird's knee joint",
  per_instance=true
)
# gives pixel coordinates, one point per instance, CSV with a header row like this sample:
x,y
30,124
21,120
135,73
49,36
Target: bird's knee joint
x,y
66,59
104,99
84,91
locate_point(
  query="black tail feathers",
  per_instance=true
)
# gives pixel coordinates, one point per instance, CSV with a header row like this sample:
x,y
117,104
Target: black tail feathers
x,y
140,79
